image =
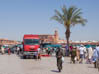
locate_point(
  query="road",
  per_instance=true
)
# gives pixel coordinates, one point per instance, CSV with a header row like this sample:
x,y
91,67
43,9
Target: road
x,y
12,64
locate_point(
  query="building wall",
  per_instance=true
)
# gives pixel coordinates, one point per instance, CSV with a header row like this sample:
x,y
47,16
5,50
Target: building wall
x,y
54,39
47,38
8,42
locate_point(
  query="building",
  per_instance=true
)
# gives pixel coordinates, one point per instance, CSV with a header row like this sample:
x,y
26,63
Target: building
x,y
85,42
45,38
54,39
8,42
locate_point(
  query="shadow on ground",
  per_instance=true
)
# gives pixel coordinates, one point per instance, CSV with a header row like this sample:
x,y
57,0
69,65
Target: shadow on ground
x,y
90,67
55,71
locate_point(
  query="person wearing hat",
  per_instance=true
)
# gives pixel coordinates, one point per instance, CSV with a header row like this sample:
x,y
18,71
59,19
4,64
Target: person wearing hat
x,y
81,49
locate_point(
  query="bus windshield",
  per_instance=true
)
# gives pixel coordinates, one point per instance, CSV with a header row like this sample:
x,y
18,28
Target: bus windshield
x,y
31,41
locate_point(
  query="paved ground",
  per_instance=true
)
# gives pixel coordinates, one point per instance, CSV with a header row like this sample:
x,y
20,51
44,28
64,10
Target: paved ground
x,y
12,64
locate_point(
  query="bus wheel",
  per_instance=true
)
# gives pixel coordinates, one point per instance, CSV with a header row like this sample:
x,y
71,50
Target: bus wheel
x,y
24,57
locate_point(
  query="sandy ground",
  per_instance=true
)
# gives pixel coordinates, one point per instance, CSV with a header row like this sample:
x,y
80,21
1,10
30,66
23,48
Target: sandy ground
x,y
12,64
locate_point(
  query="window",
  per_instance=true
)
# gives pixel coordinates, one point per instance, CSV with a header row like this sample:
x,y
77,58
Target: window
x,y
31,41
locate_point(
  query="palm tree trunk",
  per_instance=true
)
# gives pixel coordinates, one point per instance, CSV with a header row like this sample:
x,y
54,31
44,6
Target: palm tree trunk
x,y
67,33
68,43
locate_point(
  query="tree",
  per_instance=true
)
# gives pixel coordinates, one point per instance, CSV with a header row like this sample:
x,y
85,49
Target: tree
x,y
69,17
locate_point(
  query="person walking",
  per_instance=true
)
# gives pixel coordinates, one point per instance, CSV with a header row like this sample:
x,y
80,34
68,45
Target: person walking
x,y
90,53
67,50
59,55
81,49
70,50
9,52
97,61
96,57
73,55
2,50
78,53
18,50
49,50
39,53
97,48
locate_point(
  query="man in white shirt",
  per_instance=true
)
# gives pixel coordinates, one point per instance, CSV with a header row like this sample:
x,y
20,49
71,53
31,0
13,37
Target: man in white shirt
x,y
18,50
81,49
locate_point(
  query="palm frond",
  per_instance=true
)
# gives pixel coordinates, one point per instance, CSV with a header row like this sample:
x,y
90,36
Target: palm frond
x,y
64,10
69,17
77,12
79,20
57,18
58,14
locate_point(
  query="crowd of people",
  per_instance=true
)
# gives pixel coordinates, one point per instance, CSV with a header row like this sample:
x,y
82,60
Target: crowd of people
x,y
9,49
81,54
4,49
78,54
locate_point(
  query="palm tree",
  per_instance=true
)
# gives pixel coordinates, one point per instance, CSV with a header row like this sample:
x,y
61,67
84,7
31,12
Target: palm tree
x,y
69,17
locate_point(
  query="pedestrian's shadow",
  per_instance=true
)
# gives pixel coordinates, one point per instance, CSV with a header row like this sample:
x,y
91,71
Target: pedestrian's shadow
x,y
55,71
90,67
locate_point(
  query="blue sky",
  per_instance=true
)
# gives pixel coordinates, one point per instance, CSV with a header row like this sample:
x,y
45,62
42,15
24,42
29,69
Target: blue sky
x,y
19,17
